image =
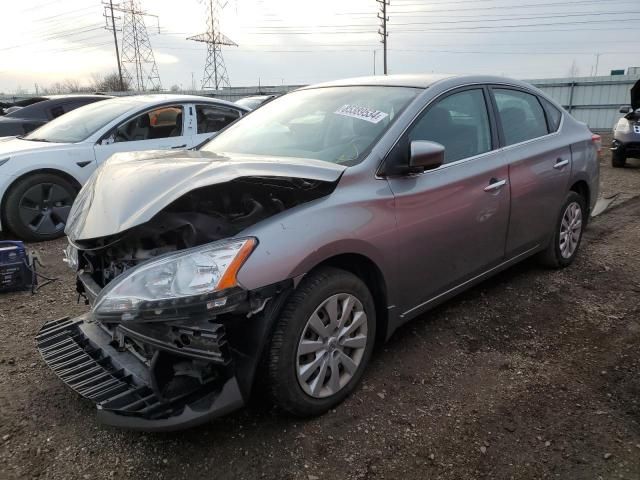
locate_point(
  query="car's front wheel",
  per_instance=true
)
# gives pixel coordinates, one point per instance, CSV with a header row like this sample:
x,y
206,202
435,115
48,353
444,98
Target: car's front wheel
x,y
322,342
37,206
567,234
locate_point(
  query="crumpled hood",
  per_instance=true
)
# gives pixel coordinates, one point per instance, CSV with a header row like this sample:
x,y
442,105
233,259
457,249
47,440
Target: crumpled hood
x,y
130,188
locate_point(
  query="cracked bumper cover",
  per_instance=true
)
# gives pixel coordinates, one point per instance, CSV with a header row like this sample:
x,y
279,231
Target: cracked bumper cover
x,y
126,389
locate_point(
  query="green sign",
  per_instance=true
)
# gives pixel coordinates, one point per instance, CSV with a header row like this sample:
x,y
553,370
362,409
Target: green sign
x,y
617,72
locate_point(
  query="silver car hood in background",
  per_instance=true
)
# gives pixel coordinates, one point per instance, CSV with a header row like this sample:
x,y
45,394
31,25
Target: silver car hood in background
x,y
130,188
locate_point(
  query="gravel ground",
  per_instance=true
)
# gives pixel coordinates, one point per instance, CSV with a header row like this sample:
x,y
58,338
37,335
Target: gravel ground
x,y
533,374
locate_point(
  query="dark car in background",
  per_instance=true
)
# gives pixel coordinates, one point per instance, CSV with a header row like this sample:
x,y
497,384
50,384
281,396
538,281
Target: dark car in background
x,y
8,107
30,117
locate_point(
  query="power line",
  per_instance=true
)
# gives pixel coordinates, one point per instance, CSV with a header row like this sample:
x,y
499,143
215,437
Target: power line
x,y
502,7
518,25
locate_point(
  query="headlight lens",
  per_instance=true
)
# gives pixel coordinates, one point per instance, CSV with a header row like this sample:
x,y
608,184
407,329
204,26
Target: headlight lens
x,y
177,279
623,126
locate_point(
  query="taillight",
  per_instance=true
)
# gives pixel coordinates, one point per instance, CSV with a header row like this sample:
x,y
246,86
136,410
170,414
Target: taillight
x,y
597,141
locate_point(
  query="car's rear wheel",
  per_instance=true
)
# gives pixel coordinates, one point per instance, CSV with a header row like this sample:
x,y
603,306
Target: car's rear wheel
x,y
568,231
37,206
618,159
322,342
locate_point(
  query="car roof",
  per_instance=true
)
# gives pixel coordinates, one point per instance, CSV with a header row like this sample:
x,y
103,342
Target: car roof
x,y
75,95
417,80
161,98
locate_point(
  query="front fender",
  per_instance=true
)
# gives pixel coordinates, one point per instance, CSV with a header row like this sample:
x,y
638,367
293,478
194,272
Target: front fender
x,y
350,221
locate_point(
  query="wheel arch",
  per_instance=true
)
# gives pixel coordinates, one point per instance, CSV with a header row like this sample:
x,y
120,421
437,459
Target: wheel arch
x,y
370,273
581,187
53,171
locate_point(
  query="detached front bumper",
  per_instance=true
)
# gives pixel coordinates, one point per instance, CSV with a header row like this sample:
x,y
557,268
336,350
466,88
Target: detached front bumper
x,y
183,385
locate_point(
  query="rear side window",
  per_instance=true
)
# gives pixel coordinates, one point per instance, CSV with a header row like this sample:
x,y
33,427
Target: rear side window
x,y
57,111
213,119
553,115
521,115
459,122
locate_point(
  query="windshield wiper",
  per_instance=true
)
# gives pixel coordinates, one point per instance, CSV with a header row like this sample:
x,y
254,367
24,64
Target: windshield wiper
x,y
35,139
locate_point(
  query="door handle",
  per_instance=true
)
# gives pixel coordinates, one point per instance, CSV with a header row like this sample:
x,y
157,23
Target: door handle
x,y
494,185
180,146
560,163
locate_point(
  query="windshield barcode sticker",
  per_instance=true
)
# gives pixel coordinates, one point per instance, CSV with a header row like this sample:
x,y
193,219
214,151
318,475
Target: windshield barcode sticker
x,y
362,113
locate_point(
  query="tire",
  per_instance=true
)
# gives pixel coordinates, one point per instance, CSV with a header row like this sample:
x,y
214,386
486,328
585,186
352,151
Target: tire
x,y
618,159
555,256
296,387
37,206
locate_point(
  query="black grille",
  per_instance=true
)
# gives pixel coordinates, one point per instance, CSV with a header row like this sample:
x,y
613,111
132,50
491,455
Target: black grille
x,y
79,364
91,372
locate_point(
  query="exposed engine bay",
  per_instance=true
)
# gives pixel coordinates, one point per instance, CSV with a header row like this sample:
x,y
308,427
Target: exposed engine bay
x,y
199,217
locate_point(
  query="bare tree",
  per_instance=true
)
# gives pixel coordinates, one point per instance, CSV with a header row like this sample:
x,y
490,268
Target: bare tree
x,y
109,82
71,85
175,88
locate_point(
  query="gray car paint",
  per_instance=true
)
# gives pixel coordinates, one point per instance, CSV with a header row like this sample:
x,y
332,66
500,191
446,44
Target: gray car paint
x,y
429,235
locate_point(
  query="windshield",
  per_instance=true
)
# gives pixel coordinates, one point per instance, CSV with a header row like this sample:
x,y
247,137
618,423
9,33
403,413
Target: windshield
x,y
336,124
82,122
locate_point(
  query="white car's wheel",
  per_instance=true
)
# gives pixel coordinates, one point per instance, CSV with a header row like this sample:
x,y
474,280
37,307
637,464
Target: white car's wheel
x,y
37,206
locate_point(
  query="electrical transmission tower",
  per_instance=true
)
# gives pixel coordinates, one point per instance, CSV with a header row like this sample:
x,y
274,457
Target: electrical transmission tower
x,y
137,62
215,72
382,31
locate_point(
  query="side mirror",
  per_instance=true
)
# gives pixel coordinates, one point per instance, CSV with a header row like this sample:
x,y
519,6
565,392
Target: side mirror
x,y
626,109
424,155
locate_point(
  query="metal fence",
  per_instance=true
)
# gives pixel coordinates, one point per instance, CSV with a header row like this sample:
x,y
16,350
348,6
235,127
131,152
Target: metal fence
x,y
593,100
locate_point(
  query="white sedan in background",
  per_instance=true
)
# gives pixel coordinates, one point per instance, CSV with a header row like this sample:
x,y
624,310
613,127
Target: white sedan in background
x,y
41,173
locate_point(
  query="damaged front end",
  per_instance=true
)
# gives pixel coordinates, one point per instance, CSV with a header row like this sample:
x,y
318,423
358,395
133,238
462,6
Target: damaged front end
x,y
172,339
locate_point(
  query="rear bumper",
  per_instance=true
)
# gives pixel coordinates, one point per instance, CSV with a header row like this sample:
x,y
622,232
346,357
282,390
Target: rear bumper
x,y
171,391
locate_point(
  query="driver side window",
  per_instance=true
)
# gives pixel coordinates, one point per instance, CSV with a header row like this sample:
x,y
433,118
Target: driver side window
x,y
162,122
459,122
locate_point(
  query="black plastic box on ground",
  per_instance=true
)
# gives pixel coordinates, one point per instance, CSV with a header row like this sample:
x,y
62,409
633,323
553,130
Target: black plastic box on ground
x,y
14,270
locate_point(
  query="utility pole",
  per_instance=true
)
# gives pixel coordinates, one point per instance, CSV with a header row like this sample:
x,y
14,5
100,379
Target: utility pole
x,y
136,63
597,63
382,31
215,72
115,41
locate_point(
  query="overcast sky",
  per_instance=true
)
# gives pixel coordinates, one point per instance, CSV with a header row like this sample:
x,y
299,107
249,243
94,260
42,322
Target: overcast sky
x,y
303,41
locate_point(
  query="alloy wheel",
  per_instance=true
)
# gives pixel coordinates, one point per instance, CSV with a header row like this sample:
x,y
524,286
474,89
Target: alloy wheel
x,y
332,345
44,208
570,229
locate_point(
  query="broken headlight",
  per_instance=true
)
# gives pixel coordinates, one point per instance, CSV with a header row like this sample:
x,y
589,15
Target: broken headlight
x,y
174,280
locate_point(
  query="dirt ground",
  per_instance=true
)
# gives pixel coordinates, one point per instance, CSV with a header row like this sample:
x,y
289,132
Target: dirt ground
x,y
533,374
